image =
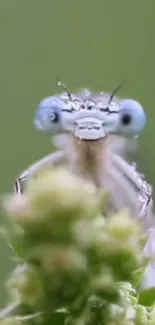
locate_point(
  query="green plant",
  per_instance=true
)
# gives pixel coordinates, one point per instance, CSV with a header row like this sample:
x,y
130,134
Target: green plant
x,y
74,266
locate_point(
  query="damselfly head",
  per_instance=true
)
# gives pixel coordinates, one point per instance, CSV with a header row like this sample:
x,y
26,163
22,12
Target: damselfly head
x,y
89,116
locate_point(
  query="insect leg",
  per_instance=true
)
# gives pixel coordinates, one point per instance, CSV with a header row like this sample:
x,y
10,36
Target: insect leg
x,y
137,181
51,159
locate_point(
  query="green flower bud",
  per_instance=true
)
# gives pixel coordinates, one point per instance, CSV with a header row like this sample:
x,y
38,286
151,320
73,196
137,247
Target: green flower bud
x,y
141,315
121,226
26,286
57,192
61,259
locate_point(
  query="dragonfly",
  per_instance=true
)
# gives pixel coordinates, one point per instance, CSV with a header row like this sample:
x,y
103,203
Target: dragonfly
x,y
91,132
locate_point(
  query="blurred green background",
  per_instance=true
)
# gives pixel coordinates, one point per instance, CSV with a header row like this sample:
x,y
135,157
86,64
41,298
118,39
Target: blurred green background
x,y
87,43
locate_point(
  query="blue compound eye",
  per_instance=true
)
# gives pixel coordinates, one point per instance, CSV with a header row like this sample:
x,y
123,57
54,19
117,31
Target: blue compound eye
x,y
48,115
132,117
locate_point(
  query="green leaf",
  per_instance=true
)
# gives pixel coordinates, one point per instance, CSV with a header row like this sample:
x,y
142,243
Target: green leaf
x,y
147,297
